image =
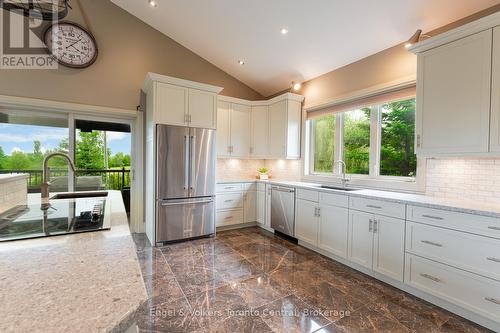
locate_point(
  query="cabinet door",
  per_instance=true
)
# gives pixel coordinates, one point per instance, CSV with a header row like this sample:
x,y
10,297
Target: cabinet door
x,y
495,93
240,130
202,108
453,96
171,104
260,132
306,221
223,112
333,229
277,129
268,206
360,242
293,122
261,207
250,207
388,248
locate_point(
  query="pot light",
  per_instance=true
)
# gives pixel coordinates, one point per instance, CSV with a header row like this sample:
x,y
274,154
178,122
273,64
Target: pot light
x,y
296,86
153,3
284,31
241,62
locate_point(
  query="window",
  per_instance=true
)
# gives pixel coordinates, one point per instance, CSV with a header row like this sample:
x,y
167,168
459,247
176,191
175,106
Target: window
x,y
374,141
324,143
357,141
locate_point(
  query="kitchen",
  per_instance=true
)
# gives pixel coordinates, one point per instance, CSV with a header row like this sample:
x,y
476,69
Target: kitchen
x,y
307,189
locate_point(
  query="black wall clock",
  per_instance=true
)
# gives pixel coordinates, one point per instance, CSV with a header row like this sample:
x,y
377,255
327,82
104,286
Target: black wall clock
x,y
71,44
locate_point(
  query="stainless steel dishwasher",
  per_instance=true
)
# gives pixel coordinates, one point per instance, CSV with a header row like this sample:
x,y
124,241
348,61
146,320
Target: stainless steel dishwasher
x,y
283,210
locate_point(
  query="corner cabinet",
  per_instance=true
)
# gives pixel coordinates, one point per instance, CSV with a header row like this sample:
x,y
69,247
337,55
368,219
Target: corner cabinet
x,y
260,129
458,91
173,101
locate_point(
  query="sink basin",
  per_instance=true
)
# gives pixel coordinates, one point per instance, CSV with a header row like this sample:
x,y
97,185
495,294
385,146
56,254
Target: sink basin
x,y
76,195
339,188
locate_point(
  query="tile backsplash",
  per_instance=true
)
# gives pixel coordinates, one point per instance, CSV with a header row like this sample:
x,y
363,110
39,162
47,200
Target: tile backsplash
x,y
473,179
236,169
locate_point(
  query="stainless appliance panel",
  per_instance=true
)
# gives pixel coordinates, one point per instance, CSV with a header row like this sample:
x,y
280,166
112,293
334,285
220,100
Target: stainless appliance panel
x,y
283,210
185,218
172,162
202,162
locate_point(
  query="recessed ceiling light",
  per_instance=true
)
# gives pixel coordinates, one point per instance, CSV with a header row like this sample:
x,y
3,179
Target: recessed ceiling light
x,y
241,62
296,86
284,31
153,3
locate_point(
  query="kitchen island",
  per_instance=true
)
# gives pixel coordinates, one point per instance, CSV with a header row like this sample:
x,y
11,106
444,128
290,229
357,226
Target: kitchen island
x,y
86,282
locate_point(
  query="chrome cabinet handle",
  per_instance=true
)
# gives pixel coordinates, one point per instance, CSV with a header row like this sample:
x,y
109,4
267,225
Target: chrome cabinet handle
x,y
319,212
431,243
433,217
370,228
186,162
228,188
494,228
493,259
228,200
186,203
375,226
430,277
192,179
373,206
492,300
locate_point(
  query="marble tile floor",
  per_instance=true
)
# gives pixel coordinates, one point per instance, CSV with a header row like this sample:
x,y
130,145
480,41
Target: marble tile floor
x,y
249,280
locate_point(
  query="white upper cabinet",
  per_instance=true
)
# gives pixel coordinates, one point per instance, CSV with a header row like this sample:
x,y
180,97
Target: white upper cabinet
x,y
453,96
173,101
495,93
240,130
223,123
202,108
259,147
265,129
277,129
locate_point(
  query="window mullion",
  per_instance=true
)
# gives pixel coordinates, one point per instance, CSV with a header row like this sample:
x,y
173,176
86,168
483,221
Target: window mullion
x,y
375,141
339,141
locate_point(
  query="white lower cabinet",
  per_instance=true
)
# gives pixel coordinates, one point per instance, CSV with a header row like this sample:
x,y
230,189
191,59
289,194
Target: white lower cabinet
x,y
306,221
377,242
268,206
333,228
261,207
250,206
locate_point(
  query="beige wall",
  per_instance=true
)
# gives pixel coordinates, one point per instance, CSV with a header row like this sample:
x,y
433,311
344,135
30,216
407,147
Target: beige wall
x,y
128,49
393,64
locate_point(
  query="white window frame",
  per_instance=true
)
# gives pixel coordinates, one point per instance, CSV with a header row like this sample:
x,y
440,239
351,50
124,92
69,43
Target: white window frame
x,y
373,179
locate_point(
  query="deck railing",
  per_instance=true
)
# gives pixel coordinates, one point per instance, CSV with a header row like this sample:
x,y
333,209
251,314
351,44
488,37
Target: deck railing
x,y
110,179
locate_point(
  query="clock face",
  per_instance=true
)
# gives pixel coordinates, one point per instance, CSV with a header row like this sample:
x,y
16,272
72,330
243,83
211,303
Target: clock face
x,y
71,45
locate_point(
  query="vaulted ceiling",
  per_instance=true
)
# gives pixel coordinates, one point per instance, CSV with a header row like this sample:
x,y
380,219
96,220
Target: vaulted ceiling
x,y
322,34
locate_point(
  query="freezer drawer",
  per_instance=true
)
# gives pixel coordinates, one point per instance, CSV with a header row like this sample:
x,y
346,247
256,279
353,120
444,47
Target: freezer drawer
x,y
185,218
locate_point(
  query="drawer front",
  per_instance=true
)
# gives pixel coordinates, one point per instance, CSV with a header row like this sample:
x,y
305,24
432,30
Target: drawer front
x,y
250,187
473,253
307,195
261,187
470,291
229,201
229,217
381,207
481,225
332,199
221,188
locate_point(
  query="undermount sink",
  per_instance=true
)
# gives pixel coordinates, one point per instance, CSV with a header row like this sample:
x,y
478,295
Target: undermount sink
x,y
339,188
76,195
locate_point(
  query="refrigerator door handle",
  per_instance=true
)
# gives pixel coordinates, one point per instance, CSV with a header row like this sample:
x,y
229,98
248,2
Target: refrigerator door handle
x,y
186,162
192,179
177,203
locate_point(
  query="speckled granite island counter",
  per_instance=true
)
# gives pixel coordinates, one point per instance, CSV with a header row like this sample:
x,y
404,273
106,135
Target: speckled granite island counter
x,y
85,282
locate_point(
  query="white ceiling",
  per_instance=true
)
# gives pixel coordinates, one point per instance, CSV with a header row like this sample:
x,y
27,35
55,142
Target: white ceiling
x,y
323,34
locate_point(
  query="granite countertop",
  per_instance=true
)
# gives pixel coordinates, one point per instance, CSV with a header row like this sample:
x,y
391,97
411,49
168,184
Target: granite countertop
x,y
85,282
7,177
461,206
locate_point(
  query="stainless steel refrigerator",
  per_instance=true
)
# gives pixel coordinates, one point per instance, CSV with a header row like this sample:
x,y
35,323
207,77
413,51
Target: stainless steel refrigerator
x,y
185,188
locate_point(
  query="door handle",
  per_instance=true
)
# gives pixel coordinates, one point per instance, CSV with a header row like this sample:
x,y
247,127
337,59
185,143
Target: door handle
x,y
193,162
178,203
186,162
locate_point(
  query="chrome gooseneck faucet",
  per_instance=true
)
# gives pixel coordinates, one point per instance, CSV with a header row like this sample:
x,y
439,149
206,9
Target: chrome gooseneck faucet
x,y
46,183
344,179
